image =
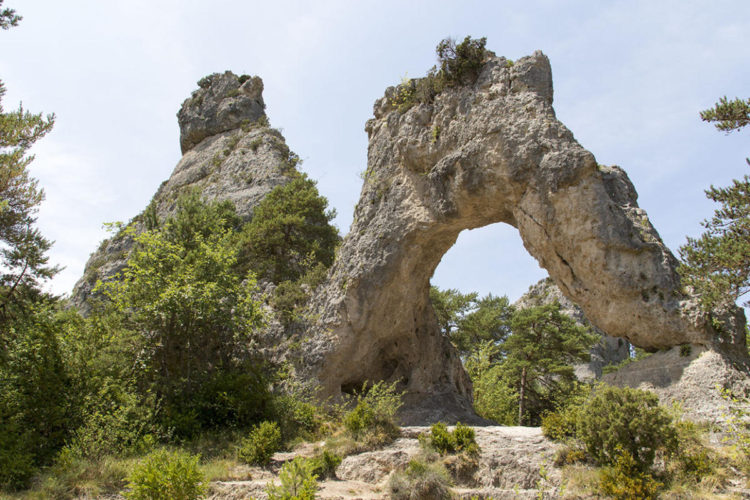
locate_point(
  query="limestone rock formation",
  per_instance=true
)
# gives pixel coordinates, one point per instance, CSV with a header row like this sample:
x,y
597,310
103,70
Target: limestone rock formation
x,y
609,350
229,153
481,154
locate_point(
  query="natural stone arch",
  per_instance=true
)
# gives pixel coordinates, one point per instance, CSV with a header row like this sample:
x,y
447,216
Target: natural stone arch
x,y
487,153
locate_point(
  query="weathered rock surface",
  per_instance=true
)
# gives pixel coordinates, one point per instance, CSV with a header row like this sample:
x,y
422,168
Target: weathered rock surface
x,y
487,153
230,153
514,462
609,350
690,375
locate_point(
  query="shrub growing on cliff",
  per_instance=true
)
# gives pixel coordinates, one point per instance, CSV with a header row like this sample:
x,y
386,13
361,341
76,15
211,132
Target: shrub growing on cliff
x,y
290,232
460,63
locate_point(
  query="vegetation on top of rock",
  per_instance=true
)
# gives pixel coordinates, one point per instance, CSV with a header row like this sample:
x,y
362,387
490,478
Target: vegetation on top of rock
x,y
460,64
461,440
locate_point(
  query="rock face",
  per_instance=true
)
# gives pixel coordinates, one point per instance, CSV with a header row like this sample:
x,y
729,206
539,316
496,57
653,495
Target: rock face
x,y
229,153
481,154
609,350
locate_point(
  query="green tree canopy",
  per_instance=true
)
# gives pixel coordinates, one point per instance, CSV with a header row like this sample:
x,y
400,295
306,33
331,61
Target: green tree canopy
x,y
195,315
728,115
22,247
467,320
540,353
717,264
290,232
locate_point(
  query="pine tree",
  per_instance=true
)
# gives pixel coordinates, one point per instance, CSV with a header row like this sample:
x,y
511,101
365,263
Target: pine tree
x,y
717,264
290,232
540,353
22,247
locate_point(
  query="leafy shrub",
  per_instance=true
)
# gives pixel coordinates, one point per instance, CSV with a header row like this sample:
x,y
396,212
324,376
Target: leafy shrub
x,y
626,480
692,459
372,420
738,425
297,482
16,458
360,419
567,455
460,63
616,420
441,439
461,440
561,424
420,481
166,475
258,448
465,439
324,464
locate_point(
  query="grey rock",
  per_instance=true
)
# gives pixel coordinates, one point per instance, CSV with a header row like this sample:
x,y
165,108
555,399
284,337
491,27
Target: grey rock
x,y
229,154
481,154
223,102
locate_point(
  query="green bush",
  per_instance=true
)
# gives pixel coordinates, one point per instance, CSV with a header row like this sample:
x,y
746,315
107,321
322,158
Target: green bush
x,y
441,438
625,419
561,424
692,460
372,420
461,440
297,482
16,458
360,419
166,475
324,464
625,479
461,63
420,481
258,448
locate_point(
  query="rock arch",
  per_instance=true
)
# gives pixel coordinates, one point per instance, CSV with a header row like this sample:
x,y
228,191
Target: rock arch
x,y
487,153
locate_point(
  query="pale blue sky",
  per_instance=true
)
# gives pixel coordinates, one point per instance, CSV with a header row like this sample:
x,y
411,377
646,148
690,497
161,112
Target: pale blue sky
x,y
629,76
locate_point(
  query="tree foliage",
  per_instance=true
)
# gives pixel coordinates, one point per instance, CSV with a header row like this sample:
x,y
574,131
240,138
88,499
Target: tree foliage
x,y
195,317
728,115
22,247
8,17
468,320
717,264
290,232
539,355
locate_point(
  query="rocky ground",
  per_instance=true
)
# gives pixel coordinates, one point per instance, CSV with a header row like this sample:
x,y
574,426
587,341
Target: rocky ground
x,y
515,462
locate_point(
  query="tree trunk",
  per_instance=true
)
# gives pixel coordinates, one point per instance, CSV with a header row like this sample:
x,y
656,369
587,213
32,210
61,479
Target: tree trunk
x,y
522,397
